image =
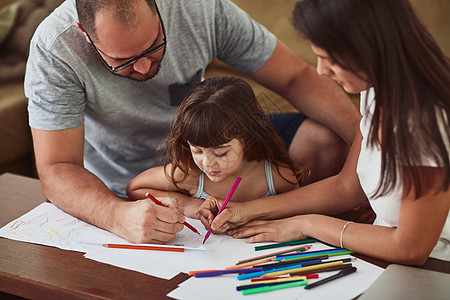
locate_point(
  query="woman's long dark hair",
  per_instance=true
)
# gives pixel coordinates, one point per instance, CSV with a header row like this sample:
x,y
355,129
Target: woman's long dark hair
x,y
216,111
410,76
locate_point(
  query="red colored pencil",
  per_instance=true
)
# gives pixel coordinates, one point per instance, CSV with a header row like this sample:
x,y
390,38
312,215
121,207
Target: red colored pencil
x,y
159,203
142,247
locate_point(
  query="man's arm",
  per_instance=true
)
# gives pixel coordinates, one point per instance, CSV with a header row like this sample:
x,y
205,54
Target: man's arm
x,y
315,96
66,183
155,182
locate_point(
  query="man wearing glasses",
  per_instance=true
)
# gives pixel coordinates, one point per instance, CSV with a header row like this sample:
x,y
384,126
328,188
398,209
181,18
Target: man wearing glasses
x,y
104,80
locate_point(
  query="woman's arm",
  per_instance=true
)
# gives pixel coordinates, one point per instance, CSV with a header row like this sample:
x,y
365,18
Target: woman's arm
x,y
330,196
155,182
420,225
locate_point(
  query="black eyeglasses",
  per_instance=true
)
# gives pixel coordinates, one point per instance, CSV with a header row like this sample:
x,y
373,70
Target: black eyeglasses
x,y
134,59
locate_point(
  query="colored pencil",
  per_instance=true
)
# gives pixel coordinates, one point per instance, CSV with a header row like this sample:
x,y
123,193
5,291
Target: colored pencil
x,y
325,251
227,199
307,255
263,272
274,287
330,269
268,280
150,196
293,250
291,243
308,276
223,272
307,268
252,263
300,260
253,285
142,247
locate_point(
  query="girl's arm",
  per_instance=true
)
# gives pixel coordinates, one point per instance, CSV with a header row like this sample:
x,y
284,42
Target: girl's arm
x,y
331,196
420,225
155,182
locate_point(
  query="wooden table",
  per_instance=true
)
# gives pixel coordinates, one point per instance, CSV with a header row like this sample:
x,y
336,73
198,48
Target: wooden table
x,y
36,271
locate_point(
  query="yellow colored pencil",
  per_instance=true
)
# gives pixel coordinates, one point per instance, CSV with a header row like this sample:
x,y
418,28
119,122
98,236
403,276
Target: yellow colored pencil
x,y
307,268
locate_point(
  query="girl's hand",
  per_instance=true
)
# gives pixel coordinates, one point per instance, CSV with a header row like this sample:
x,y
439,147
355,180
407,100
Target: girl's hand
x,y
282,230
234,215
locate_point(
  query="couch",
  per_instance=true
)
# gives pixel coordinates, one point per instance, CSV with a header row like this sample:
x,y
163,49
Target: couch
x,y
19,18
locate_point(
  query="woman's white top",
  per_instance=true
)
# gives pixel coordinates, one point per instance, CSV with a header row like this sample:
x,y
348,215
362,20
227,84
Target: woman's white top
x,y
387,207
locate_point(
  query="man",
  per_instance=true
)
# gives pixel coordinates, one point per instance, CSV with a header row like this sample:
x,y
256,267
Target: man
x,y
104,80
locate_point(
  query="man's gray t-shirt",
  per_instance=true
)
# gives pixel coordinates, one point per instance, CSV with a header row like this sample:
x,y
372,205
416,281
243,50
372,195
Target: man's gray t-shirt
x,y
125,120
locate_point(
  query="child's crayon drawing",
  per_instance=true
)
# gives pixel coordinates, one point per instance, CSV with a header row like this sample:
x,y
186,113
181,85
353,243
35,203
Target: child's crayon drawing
x,y
48,225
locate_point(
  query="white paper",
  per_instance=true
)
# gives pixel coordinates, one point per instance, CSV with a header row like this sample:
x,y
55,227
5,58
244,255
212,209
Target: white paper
x,y
48,225
224,287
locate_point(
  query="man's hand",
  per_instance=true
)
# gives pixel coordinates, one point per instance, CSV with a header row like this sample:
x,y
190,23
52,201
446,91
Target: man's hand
x,y
143,221
234,215
186,205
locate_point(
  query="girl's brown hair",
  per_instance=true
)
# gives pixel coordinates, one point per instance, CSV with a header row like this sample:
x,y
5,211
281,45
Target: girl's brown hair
x,y
213,113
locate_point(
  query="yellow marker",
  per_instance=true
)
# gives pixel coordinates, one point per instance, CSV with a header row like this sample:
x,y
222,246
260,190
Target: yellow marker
x,y
307,268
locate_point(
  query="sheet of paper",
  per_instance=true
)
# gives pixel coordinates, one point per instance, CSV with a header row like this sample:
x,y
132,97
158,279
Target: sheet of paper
x,y
48,225
227,254
141,267
344,288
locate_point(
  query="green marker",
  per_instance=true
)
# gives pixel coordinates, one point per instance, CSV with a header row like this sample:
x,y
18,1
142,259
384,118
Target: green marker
x,y
269,288
291,243
305,255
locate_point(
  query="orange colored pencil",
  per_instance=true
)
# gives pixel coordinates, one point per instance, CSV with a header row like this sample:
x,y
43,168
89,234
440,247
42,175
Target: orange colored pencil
x,y
192,273
142,247
252,263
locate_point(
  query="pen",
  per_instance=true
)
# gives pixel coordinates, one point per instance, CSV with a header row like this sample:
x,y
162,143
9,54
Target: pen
x,y
322,252
305,255
263,272
335,268
307,276
333,277
227,198
300,269
291,243
300,260
150,196
142,247
274,287
223,272
280,279
253,285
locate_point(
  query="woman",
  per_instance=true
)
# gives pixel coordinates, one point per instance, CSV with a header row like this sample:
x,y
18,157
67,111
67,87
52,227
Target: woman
x,y
400,160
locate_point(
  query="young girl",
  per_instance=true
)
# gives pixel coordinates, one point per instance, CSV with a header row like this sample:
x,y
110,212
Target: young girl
x,y
400,161
220,133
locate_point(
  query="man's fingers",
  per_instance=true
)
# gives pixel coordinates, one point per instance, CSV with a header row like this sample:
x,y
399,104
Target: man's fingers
x,y
168,215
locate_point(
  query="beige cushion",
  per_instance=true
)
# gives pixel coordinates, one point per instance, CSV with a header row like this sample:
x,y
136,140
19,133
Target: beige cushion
x,y
7,18
14,48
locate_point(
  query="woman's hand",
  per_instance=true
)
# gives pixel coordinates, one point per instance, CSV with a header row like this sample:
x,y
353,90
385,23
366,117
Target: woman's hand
x,y
234,215
282,230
